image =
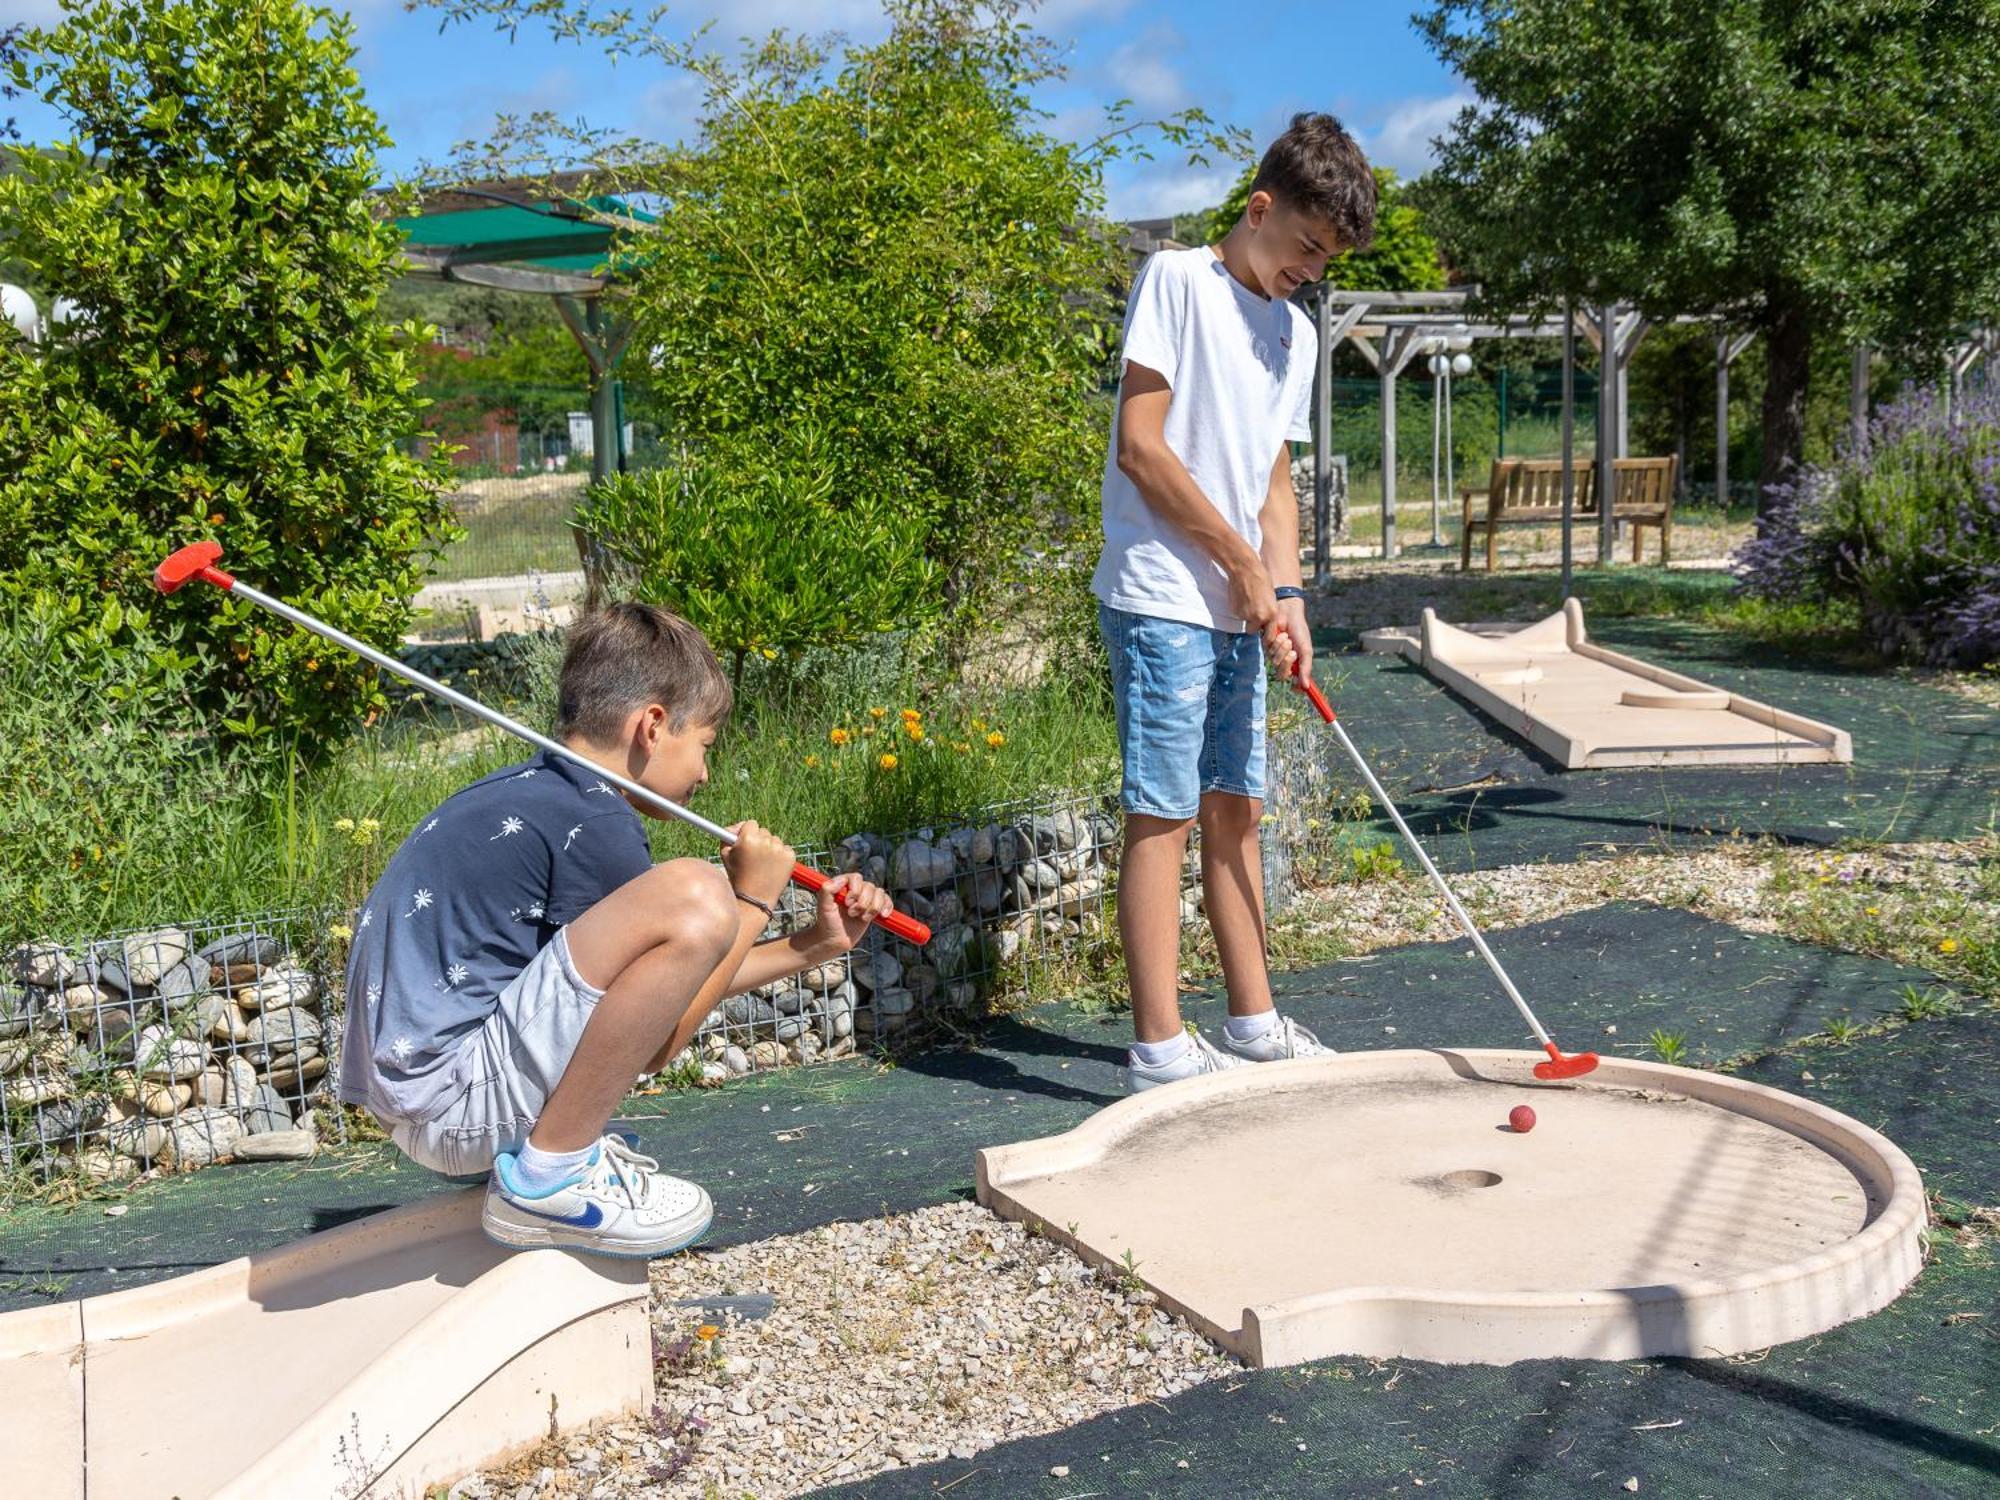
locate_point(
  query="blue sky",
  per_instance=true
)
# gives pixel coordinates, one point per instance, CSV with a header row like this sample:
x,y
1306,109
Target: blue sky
x,y
1251,66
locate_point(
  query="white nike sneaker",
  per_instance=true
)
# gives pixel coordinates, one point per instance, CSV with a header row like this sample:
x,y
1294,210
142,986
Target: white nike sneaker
x,y
1286,1039
1201,1057
621,1204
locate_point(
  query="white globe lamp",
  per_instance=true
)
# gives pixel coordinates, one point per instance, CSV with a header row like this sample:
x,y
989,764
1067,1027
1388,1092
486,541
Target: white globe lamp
x,y
18,308
1461,364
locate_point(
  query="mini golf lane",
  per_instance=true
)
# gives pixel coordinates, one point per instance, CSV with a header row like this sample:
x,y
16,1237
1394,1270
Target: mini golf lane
x,y
1380,1205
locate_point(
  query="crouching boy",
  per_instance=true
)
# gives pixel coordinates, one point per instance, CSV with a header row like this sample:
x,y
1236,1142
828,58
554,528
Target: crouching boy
x,y
522,959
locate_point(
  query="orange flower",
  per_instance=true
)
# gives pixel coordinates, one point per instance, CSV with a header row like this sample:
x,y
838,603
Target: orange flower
x,y
911,715
839,736
913,729
995,740
812,762
886,761
876,713
706,1332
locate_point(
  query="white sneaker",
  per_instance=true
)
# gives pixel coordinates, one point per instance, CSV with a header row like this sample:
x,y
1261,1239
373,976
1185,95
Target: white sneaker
x,y
1201,1057
1286,1039
621,1204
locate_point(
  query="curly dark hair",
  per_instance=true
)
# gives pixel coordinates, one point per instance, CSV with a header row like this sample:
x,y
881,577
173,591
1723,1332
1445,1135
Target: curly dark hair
x,y
1317,168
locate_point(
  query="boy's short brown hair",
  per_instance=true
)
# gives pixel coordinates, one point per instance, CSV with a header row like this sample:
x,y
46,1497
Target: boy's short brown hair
x,y
1316,168
628,656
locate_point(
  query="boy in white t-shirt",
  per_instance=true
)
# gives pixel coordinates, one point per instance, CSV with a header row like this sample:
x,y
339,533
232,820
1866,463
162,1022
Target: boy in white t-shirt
x,y
1200,578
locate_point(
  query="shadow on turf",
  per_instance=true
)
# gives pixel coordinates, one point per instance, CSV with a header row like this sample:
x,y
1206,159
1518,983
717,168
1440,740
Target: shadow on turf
x,y
992,1065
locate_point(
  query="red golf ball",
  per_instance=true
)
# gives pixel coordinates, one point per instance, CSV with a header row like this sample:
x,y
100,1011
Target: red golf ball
x,y
1521,1118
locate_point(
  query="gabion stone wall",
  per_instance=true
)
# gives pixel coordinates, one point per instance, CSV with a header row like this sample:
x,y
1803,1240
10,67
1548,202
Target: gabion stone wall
x,y
174,1047
1004,892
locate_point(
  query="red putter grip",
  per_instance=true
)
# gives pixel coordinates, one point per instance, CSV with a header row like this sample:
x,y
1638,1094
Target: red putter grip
x,y
1311,690
908,928
190,563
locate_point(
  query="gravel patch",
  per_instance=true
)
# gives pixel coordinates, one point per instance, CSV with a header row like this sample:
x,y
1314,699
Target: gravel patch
x,y
898,1341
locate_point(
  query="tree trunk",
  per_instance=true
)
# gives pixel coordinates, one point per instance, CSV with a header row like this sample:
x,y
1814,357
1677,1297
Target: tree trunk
x,y
1788,337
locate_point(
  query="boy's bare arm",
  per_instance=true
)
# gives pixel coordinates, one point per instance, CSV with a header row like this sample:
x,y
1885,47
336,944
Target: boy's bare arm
x,y
1279,521
1165,484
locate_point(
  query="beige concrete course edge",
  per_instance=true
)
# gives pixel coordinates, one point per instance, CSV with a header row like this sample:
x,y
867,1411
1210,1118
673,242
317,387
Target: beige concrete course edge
x,y
1859,1276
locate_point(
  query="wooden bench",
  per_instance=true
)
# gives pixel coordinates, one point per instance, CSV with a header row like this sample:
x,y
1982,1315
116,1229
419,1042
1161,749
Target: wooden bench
x,y
1528,492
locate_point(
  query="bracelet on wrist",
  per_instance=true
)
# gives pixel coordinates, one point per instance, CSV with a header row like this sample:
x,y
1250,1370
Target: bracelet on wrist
x,y
749,900
1289,591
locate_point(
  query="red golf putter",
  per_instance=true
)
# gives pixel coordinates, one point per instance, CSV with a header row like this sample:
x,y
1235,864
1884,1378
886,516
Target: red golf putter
x,y
200,562
1559,1065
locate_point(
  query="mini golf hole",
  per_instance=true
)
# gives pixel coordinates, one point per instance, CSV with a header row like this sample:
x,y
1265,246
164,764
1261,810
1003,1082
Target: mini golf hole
x,y
1472,1177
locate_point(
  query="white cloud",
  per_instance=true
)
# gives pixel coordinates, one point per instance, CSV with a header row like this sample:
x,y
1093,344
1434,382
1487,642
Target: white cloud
x,y
1403,139
1162,189
1144,71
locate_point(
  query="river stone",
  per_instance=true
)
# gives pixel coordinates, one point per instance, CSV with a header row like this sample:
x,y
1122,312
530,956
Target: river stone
x,y
220,1019
947,910
1079,897
790,1002
187,978
80,1004
1041,875
962,994
131,1134
959,842
850,854
921,980
838,1019
920,866
806,1048
235,976
767,1055
1006,946
736,1060
289,1081
842,1046
161,1054
954,950
985,848
14,1055
893,1002
239,1082
988,892
1057,833
47,966
1014,846
277,989
100,1164
202,1136
791,1028
879,971
16,1013
148,955
749,1009
278,1031
71,1119
258,948
32,1088
276,1145
875,869
264,1109
825,977
210,1086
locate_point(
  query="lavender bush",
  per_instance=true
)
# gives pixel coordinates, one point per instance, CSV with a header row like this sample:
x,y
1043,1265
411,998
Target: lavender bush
x,y
1905,524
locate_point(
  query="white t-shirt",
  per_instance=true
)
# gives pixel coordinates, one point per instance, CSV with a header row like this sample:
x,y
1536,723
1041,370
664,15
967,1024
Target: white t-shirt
x,y
1241,370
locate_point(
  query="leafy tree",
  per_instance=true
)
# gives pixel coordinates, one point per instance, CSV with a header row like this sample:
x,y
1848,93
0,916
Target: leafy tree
x,y
886,245
225,373
10,46
1798,170
1403,258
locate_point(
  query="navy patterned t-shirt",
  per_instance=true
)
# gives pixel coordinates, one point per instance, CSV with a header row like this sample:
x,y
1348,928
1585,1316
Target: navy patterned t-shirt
x,y
478,889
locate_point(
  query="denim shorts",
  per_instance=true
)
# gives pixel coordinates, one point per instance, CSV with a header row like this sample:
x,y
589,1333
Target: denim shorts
x,y
1190,711
512,1064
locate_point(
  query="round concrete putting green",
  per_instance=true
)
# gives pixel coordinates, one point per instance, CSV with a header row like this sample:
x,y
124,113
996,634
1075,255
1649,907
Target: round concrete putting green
x,y
1380,1204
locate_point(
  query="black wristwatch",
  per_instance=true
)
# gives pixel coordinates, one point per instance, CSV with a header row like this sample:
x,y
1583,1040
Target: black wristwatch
x,y
1287,591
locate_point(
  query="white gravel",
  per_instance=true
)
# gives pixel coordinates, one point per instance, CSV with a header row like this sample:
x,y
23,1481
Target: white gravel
x,y
925,1336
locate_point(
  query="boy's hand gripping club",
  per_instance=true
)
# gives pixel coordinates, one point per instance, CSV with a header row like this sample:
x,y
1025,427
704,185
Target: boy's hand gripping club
x,y
199,562
1558,1065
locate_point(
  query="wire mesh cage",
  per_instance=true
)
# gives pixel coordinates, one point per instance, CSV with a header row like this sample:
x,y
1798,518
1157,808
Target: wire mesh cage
x,y
167,1047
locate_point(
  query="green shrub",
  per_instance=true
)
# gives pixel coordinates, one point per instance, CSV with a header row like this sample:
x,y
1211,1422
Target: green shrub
x,y
753,544
225,374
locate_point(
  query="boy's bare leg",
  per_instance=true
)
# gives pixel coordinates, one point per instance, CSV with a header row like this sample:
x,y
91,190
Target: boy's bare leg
x,y
1232,886
1149,921
651,944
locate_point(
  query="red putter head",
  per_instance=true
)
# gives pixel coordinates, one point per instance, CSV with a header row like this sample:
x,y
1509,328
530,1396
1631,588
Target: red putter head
x,y
197,561
1559,1066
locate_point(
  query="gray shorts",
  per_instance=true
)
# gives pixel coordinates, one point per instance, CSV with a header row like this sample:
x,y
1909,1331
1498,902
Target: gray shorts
x,y
512,1063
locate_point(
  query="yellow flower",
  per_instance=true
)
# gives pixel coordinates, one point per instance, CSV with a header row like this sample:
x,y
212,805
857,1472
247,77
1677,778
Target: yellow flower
x,y
343,825
886,761
913,729
769,654
995,740
706,1332
340,932
839,736
876,713
868,731
1874,911
979,726
911,715
812,762
961,747
1949,945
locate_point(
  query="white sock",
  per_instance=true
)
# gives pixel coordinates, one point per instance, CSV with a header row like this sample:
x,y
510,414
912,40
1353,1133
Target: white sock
x,y
538,1171
1159,1054
1249,1028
